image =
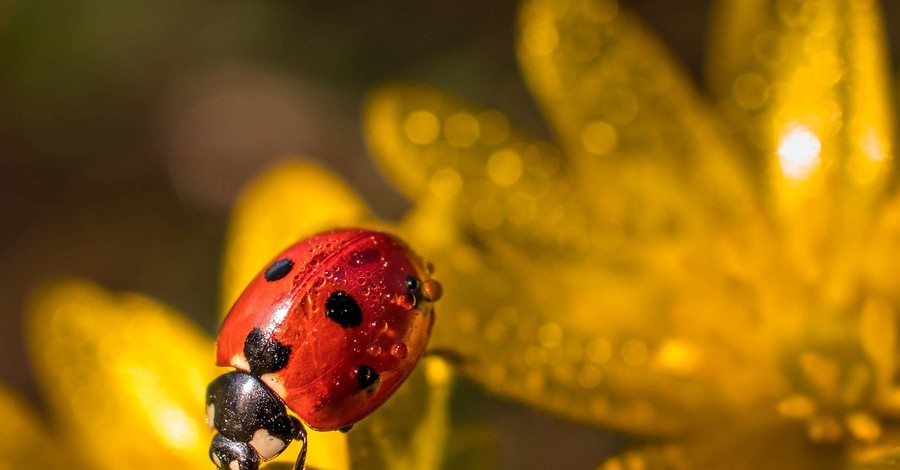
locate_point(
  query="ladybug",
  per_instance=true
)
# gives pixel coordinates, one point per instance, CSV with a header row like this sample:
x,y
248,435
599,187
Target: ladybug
x,y
329,329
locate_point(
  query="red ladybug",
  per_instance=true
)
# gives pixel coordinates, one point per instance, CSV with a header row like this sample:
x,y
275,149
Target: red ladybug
x,y
330,328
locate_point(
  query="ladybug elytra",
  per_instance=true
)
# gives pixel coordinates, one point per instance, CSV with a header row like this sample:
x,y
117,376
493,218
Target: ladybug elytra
x,y
329,330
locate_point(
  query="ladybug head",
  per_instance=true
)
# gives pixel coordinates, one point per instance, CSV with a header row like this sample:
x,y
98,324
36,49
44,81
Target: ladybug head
x,y
252,423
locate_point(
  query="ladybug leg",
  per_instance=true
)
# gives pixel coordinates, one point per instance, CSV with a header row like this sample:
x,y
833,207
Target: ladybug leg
x,y
300,435
225,453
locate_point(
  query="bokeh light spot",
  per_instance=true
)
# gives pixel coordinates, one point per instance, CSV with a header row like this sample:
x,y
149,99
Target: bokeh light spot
x,y
599,138
505,167
798,153
421,127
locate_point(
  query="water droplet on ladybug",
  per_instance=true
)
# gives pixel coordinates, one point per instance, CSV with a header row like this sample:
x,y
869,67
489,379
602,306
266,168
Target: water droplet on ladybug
x,y
405,301
399,351
364,257
374,350
319,282
361,281
432,290
379,326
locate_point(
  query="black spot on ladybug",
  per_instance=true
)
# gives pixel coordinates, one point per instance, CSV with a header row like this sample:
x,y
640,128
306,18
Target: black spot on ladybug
x,y
279,269
264,353
343,309
366,377
413,284
414,287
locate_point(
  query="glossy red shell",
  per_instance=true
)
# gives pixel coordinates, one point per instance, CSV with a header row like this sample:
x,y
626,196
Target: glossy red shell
x,y
319,382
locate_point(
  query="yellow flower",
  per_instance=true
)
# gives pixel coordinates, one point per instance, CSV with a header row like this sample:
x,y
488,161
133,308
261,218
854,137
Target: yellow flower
x,y
718,276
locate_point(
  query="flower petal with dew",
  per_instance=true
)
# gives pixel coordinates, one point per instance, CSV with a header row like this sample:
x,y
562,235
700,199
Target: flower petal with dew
x,y
654,273
561,308
805,85
125,377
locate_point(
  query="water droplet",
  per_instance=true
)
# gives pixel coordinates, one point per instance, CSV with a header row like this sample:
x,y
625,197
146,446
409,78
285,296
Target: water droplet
x,y
361,281
319,282
364,257
374,350
432,290
379,326
421,127
405,301
599,138
505,167
399,350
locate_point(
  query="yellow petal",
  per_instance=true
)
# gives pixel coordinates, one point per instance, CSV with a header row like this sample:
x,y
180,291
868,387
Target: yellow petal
x,y
806,84
759,441
878,338
636,327
474,169
409,431
642,147
881,269
288,202
601,344
25,442
882,455
124,376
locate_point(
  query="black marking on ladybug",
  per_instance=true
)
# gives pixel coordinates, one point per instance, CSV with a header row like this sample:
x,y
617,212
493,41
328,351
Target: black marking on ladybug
x,y
343,309
227,451
414,287
413,283
264,353
279,269
366,377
